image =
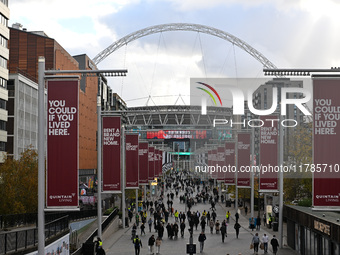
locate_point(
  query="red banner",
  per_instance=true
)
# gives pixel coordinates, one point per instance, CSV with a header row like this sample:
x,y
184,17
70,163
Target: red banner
x,y
156,160
159,163
151,163
111,154
131,161
214,163
229,176
210,158
62,144
326,136
143,163
269,154
243,160
220,163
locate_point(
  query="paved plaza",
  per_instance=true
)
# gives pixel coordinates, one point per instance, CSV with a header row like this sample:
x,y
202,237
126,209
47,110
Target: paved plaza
x,y
119,242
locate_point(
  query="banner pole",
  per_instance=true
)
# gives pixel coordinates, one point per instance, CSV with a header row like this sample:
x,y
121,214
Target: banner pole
x,y
41,155
99,163
236,175
123,176
136,201
252,175
281,183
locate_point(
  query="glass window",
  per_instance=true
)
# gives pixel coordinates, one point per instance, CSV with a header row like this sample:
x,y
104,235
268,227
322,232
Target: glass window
x,y
307,242
2,146
325,244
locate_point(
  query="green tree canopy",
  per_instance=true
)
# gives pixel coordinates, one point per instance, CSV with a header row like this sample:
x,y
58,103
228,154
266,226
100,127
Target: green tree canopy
x,y
19,184
298,185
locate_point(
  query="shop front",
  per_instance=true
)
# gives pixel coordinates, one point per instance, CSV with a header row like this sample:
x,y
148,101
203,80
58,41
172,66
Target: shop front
x,y
312,232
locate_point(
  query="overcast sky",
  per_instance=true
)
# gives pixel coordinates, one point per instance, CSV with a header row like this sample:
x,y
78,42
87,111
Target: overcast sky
x,y
290,33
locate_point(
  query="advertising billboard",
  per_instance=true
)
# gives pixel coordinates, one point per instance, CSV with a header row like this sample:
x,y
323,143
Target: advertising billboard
x,y
151,157
243,160
269,154
179,134
229,176
111,154
326,146
132,161
62,144
143,163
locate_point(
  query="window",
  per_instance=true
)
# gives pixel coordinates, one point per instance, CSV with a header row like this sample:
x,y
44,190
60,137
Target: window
x,y
3,82
5,2
3,62
3,41
3,19
2,146
3,104
2,125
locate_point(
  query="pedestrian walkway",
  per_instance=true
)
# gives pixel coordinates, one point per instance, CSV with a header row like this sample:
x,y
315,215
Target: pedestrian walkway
x,y
119,242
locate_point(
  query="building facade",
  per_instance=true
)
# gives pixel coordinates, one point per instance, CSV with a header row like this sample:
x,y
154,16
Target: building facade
x,y
25,49
4,56
22,127
312,232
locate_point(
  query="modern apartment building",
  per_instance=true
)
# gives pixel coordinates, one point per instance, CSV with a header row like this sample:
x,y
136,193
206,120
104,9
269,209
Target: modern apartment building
x,y
22,127
4,56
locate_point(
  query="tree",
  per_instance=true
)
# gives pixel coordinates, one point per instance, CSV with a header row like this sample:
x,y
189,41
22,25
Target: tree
x,y
19,184
298,184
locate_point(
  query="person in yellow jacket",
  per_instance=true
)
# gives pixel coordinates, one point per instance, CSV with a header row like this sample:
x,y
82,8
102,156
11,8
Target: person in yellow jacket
x,y
176,215
227,216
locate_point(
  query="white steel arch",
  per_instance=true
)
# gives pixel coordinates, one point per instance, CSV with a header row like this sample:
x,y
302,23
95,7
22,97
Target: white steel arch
x,y
184,27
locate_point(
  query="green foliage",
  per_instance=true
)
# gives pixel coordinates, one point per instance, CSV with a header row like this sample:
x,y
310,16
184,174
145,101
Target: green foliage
x,y
298,185
108,211
305,202
19,184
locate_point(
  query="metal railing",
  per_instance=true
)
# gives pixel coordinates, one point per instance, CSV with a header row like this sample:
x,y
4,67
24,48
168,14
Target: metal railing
x,y
88,244
30,219
23,239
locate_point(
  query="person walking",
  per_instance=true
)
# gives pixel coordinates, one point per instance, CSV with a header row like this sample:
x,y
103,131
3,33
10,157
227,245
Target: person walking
x,y
211,225
275,244
237,216
150,224
256,241
158,245
265,240
237,227
99,247
182,227
258,222
138,244
201,239
142,229
223,231
151,243
203,223
217,227
252,223
228,216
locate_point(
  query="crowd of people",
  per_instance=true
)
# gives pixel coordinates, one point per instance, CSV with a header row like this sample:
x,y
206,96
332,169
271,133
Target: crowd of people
x,y
162,218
